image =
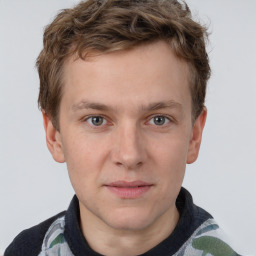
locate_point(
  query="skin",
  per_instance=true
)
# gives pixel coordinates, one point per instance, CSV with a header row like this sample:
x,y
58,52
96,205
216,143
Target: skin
x,y
131,90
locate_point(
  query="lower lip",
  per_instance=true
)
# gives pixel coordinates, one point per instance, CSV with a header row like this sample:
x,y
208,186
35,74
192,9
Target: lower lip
x,y
129,192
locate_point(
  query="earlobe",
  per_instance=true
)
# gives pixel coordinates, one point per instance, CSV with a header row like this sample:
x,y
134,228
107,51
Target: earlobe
x,y
53,140
196,138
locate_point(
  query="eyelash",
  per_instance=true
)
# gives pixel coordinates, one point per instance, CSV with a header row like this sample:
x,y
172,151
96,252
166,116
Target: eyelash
x,y
167,120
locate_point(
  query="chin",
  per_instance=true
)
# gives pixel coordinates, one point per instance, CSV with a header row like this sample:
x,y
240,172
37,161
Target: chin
x,y
130,221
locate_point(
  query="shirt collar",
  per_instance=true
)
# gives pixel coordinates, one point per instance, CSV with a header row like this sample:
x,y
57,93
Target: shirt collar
x,y
191,217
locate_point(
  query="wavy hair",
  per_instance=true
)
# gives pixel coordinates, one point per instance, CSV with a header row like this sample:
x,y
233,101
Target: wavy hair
x,y
112,25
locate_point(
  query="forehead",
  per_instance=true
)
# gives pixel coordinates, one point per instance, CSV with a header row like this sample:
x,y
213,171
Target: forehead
x,y
145,74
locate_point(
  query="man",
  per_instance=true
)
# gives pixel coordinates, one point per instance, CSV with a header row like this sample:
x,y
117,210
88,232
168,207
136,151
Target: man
x,y
122,88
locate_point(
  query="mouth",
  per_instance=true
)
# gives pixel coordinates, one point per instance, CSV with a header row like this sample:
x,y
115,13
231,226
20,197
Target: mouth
x,y
129,190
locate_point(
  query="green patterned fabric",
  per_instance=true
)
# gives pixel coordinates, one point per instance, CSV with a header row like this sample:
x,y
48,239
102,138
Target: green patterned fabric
x,y
213,246
207,240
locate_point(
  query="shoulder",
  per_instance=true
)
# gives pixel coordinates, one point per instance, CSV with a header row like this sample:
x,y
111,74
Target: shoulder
x,y
29,242
200,233
210,239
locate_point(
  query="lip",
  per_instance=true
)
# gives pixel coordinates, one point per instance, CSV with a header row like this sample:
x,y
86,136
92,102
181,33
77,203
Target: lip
x,y
129,189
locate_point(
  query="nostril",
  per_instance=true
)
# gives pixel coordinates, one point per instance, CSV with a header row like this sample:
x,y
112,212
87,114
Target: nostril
x,y
119,164
139,164
129,166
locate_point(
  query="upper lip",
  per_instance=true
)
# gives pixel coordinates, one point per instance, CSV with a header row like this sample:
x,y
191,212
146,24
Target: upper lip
x,y
127,184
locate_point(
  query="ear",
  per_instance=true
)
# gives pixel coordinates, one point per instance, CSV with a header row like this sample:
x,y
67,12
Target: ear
x,y
196,137
53,140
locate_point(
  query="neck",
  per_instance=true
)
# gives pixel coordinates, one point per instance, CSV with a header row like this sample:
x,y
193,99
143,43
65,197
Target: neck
x,y
107,240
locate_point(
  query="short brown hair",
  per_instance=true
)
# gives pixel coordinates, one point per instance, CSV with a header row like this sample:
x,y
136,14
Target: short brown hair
x,y
111,25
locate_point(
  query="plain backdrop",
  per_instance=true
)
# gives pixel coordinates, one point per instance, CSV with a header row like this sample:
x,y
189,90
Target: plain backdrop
x,y
223,180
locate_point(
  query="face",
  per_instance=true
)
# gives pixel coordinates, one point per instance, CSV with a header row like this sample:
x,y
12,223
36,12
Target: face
x,y
126,134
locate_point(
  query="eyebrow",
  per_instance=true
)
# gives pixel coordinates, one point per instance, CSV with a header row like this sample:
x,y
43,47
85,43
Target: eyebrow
x,y
102,107
89,105
161,105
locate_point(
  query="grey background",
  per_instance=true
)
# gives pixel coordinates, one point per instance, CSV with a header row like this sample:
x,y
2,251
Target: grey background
x,y
33,187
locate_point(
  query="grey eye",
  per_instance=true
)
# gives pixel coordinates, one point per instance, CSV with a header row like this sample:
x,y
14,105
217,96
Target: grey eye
x,y
160,120
96,120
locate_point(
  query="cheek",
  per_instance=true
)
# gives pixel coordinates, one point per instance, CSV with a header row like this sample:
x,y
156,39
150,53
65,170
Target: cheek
x,y
85,156
170,160
171,149
78,147
80,157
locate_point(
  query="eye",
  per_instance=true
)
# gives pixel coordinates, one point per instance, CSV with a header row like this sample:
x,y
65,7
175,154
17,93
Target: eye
x,y
96,120
159,120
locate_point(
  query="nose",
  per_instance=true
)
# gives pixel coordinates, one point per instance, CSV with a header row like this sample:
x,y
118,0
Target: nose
x,y
128,147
